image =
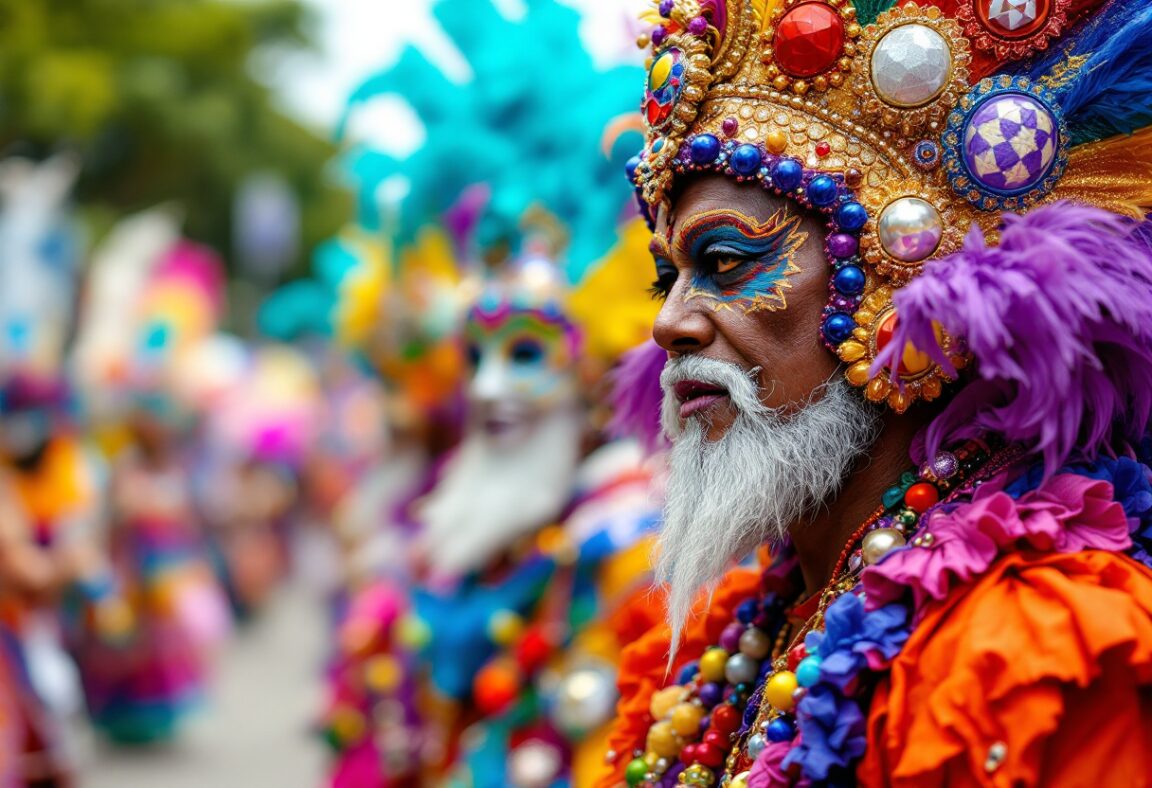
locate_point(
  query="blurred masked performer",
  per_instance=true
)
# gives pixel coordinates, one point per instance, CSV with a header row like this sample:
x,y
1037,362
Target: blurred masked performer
x,y
488,657
908,321
153,298
50,501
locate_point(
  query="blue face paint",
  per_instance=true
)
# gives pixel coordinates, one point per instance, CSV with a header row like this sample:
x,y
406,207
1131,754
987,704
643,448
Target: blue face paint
x,y
739,262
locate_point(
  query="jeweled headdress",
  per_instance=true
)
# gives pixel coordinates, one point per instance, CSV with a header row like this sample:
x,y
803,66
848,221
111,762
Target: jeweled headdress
x,y
904,125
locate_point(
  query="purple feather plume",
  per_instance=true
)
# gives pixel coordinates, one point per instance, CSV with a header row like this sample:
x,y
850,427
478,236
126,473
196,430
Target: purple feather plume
x,y
636,396
1059,320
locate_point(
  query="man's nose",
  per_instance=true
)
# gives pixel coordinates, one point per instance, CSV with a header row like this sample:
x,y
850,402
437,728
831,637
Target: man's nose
x,y
683,326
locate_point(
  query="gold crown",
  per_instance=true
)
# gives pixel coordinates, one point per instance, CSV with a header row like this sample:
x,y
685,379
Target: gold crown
x,y
874,125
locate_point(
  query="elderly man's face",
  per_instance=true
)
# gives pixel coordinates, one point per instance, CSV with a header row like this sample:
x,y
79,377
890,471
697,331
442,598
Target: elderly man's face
x,y
746,279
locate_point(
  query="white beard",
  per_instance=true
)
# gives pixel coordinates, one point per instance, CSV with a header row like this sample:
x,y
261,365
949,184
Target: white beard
x,y
490,496
764,476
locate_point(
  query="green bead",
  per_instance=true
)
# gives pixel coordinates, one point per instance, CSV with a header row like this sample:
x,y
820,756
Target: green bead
x,y
907,517
892,497
907,479
636,771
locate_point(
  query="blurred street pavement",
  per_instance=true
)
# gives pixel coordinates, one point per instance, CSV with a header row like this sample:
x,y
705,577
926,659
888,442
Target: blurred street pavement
x,y
254,732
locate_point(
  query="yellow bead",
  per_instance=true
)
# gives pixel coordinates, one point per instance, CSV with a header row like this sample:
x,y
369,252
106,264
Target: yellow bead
x,y
504,627
347,724
663,701
712,664
382,673
686,719
739,781
662,740
413,632
777,141
778,691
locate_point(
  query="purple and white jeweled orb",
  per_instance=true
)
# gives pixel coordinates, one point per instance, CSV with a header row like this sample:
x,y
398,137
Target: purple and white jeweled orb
x,y
1010,142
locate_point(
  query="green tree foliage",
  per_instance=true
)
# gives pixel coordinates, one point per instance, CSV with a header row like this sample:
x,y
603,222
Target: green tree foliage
x,y
159,99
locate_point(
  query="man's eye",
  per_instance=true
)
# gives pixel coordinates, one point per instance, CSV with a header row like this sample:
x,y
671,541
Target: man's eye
x,y
665,280
724,264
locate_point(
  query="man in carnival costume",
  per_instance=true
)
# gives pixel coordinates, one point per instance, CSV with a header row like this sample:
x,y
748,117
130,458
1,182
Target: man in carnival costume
x,y
530,549
907,316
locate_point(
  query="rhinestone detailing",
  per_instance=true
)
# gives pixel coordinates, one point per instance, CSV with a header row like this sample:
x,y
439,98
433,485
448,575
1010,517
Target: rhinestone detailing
x,y
911,65
809,40
1012,16
1010,143
910,229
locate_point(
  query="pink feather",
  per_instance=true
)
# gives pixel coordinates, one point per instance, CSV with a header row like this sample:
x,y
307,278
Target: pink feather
x,y
636,396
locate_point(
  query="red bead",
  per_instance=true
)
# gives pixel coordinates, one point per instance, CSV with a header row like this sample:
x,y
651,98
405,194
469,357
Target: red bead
x,y
823,149
494,688
533,650
710,755
809,40
717,738
690,754
726,718
795,655
921,497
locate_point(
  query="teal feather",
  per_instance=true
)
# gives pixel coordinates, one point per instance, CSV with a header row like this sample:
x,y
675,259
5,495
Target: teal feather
x,y
1108,90
528,124
868,10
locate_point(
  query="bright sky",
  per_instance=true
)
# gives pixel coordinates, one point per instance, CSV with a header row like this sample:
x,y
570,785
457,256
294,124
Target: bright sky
x,y
357,37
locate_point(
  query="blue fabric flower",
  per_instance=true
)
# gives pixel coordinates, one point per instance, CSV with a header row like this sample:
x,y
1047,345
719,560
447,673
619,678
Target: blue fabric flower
x,y
833,734
831,722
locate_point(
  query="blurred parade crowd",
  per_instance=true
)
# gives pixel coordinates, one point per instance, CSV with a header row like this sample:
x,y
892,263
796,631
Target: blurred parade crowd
x,y
451,360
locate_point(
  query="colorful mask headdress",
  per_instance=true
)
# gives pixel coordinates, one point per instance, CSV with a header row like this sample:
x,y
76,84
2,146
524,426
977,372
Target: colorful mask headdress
x,y
904,125
504,145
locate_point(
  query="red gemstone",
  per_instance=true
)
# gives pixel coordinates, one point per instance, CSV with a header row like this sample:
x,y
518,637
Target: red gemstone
x,y
884,335
823,149
809,39
1013,19
921,497
726,718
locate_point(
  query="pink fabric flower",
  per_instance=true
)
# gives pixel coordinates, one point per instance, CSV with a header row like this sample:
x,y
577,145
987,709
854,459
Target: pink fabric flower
x,y
1066,514
768,771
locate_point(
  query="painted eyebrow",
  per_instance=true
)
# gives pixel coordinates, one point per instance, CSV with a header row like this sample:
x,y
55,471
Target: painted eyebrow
x,y
702,222
659,247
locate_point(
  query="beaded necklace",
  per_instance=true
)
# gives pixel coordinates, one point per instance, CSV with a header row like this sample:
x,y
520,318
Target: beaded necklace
x,y
742,693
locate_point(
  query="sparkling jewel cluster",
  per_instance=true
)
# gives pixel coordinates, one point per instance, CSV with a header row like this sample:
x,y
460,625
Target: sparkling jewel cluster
x,y
875,126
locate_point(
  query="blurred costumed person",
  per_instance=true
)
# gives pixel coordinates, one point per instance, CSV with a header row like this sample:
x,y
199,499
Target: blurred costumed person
x,y
260,430
50,483
907,312
530,551
152,299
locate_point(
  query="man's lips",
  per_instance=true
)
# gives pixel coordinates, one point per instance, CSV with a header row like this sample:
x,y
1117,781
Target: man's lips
x,y
696,395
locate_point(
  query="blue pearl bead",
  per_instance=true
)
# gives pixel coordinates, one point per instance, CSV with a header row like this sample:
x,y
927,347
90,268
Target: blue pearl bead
x,y
756,745
630,167
851,216
704,149
821,191
787,174
849,280
746,159
808,671
838,327
780,729
747,611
